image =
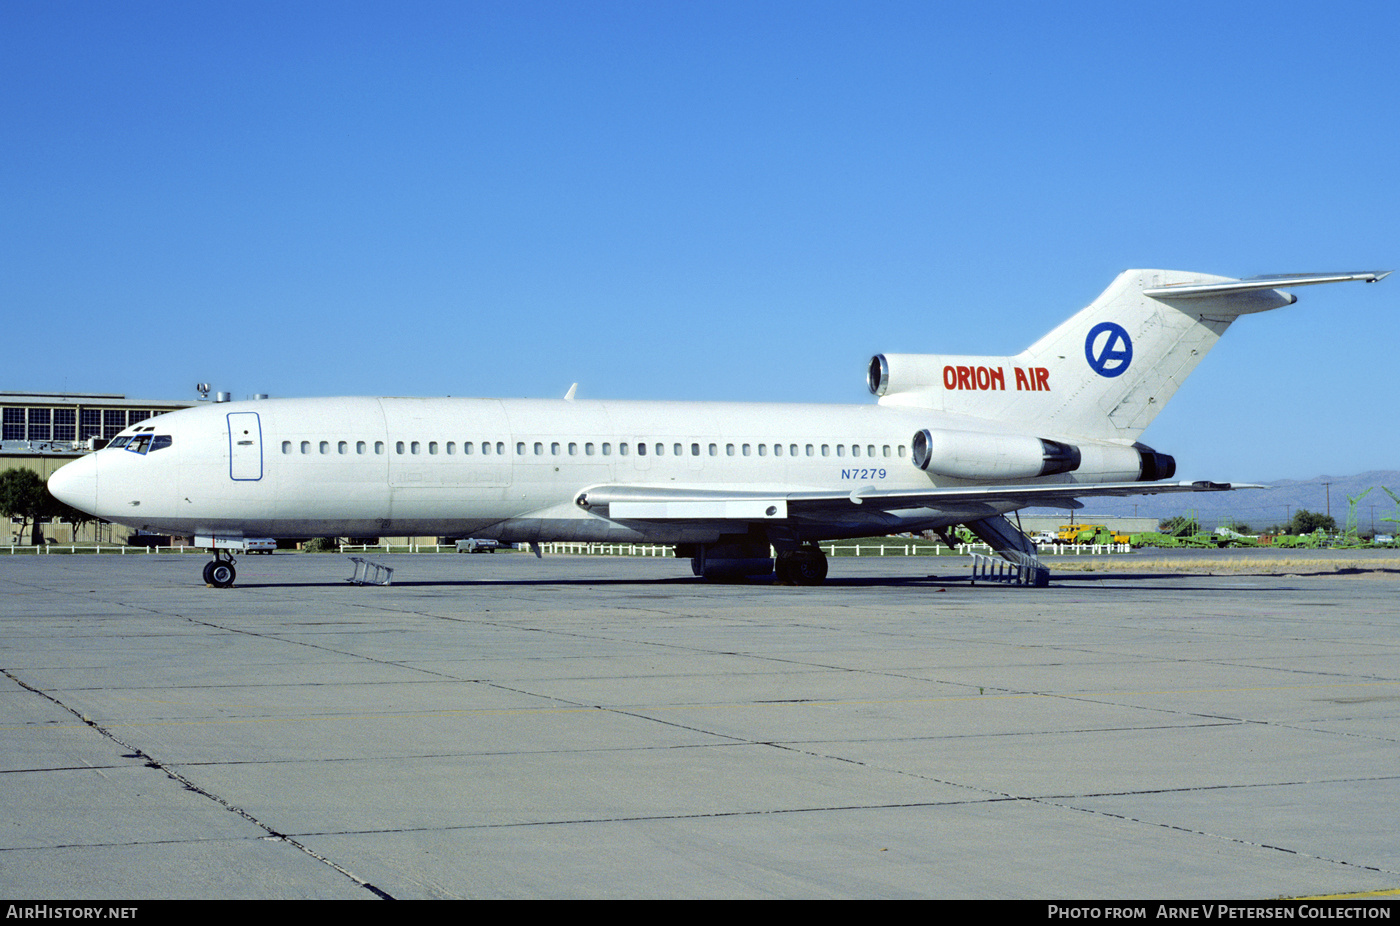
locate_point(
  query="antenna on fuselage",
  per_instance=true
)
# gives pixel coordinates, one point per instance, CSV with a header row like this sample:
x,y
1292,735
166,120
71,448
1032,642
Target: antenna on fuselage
x,y
203,390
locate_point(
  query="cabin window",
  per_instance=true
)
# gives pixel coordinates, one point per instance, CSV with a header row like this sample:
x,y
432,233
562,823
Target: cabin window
x,y
500,447
677,449
520,448
826,450
306,446
539,449
468,447
573,449
840,450
359,446
714,450
486,447
777,450
870,450
695,450
342,447
432,447
622,448
729,450
451,448
641,449
900,449
886,450
378,446
763,450
588,449
607,449
325,446
855,450
286,446
554,449
809,450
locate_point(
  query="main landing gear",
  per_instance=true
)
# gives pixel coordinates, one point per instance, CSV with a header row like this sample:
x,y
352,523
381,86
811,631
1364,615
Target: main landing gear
x,y
804,566
220,573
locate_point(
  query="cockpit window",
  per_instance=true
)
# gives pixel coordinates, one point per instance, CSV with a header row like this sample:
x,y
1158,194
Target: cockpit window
x,y
143,443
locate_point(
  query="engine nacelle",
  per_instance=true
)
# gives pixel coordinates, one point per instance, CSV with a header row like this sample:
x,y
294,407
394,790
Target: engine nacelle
x,y
983,456
978,455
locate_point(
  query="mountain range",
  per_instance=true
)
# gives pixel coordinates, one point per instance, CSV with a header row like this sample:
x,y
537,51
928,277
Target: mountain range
x,y
1262,508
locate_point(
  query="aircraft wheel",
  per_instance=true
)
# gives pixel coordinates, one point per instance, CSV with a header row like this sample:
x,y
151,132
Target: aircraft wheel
x,y
808,567
219,574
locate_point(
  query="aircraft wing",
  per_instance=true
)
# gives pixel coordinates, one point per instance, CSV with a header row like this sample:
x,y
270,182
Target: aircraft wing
x,y
651,503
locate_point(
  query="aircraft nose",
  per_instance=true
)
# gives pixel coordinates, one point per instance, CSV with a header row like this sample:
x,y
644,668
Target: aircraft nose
x,y
76,484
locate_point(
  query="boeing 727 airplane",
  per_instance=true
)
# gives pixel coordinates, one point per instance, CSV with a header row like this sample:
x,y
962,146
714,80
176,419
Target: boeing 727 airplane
x,y
735,487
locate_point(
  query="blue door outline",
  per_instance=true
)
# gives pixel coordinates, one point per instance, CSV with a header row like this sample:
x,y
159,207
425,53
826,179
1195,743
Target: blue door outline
x,y
245,462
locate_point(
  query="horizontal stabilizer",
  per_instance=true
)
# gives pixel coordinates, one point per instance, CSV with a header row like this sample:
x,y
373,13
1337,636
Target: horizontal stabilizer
x,y
1255,284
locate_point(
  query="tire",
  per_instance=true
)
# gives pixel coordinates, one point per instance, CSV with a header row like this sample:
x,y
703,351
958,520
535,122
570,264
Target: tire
x,y
220,574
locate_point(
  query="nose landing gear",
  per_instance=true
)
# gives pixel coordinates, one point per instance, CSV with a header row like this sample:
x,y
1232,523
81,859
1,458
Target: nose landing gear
x,y
220,573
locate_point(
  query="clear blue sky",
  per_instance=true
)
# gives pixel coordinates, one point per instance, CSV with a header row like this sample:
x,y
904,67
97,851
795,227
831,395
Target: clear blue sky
x,y
702,200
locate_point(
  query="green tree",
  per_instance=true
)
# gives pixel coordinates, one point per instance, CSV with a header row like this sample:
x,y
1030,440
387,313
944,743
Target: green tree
x,y
24,495
1305,522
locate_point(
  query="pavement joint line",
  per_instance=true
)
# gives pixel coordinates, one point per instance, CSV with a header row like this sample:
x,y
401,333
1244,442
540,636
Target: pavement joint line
x,y
152,762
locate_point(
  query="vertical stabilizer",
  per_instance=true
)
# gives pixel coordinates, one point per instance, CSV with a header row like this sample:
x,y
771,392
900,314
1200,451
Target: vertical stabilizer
x,y
1104,373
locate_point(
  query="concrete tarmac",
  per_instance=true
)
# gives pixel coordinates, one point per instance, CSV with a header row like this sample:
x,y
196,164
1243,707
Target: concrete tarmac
x,y
500,726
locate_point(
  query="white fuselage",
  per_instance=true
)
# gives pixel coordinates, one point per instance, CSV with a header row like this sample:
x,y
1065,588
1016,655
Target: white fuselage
x,y
505,468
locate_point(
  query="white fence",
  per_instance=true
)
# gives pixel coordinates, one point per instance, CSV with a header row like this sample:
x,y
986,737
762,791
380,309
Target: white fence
x,y
888,548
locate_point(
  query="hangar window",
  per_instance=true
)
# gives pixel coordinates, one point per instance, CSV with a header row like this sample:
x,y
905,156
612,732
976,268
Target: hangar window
x,y
89,423
14,424
65,424
40,427
113,422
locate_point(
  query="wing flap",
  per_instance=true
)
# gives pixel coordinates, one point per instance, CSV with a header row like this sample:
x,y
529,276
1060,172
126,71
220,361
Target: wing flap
x,y
648,503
